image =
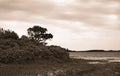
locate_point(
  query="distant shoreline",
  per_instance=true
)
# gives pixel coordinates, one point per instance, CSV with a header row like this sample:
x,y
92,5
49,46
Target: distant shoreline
x,y
98,51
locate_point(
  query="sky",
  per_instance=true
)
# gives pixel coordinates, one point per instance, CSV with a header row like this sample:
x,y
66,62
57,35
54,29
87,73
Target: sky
x,y
75,24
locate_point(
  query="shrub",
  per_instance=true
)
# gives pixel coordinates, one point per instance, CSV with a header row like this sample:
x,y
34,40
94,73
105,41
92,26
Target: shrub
x,y
14,50
19,51
59,52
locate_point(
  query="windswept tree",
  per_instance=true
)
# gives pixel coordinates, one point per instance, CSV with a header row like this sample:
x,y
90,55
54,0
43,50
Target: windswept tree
x,y
39,34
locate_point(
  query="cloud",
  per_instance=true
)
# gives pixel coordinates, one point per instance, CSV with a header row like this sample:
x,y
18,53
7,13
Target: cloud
x,y
74,21
97,13
16,9
93,12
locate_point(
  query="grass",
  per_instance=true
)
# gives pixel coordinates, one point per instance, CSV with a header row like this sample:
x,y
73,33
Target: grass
x,y
50,68
44,68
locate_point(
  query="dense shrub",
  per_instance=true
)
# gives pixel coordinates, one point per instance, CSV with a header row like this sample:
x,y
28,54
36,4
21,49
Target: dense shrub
x,y
19,50
10,56
59,52
7,34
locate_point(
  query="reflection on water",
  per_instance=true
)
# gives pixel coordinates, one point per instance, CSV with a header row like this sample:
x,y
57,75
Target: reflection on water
x,y
104,56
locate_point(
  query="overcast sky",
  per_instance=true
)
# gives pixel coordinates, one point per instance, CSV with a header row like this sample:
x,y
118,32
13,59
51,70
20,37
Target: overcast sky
x,y
75,24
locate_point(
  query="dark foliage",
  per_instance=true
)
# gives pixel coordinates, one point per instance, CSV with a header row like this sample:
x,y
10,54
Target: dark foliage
x,y
7,34
39,34
22,50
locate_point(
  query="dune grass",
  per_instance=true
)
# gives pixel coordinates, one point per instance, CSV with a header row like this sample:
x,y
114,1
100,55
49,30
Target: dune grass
x,y
50,68
45,68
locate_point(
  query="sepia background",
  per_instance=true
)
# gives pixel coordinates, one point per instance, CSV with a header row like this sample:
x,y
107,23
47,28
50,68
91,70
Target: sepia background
x,y
75,24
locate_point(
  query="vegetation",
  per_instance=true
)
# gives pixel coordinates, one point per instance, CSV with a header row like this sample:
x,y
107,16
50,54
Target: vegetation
x,y
7,34
45,60
39,34
25,49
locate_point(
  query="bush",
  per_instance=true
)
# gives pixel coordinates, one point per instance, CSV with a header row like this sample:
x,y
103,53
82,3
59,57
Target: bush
x,y
59,52
7,34
14,50
12,56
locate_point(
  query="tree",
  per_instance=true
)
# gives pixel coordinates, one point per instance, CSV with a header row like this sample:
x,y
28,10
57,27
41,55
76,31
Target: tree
x,y
39,34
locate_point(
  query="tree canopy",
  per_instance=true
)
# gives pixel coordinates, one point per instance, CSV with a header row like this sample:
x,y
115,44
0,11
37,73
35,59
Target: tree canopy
x,y
39,34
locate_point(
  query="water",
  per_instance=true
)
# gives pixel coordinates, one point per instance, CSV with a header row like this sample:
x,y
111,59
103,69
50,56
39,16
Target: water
x,y
107,56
